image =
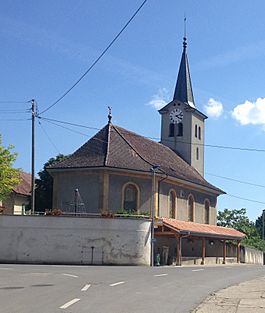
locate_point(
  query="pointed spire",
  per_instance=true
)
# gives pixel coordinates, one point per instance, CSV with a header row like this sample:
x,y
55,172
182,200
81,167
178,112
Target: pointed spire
x,y
183,91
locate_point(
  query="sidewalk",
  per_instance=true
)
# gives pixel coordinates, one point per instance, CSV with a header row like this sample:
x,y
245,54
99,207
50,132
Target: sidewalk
x,y
246,297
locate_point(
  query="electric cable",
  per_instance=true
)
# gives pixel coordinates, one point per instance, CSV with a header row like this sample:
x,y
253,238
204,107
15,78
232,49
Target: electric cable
x,y
48,137
156,138
97,59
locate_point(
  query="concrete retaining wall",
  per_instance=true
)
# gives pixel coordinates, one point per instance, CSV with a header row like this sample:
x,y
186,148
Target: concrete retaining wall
x,y
251,256
74,240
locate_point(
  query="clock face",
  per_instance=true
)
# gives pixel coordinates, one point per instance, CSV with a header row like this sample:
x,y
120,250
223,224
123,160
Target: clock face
x,y
176,116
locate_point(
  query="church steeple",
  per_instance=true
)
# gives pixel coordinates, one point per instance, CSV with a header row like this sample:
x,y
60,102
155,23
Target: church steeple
x,y
183,90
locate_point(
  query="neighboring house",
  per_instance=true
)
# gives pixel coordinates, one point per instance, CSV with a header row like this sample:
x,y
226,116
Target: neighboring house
x,y
118,170
19,199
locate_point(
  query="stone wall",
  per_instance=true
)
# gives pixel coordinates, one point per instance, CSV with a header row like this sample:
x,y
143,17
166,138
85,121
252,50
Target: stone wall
x,y
74,240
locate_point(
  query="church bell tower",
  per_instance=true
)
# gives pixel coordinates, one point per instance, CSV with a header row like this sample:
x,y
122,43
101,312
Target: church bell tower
x,y
182,126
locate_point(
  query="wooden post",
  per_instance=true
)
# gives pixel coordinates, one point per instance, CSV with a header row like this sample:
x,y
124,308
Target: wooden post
x,y
224,251
178,250
203,251
238,251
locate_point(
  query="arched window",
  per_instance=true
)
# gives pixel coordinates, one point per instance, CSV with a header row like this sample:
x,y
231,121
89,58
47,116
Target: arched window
x,y
130,197
180,129
207,212
191,208
197,154
171,130
199,133
196,129
172,204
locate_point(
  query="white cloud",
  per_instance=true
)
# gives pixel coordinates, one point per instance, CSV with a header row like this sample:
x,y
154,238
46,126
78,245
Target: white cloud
x,y
160,99
250,112
214,108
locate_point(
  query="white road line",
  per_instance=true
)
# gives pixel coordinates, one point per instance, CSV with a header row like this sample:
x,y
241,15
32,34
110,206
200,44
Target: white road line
x,y
201,269
70,275
228,267
118,283
6,268
86,287
159,275
67,304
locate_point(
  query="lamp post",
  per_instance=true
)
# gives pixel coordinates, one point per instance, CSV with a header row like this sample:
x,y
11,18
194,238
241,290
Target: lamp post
x,y
152,212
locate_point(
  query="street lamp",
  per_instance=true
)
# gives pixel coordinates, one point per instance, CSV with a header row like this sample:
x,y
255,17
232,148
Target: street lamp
x,y
152,211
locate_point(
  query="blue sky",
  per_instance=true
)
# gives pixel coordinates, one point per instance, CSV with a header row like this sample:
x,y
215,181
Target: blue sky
x,y
47,45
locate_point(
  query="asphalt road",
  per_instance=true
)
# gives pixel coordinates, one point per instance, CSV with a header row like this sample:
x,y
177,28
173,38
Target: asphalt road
x,y
114,289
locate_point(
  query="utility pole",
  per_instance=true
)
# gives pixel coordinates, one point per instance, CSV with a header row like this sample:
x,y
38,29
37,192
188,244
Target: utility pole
x,y
153,170
33,113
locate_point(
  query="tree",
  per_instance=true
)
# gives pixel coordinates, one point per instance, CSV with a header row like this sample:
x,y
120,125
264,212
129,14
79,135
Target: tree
x,y
238,219
44,186
9,176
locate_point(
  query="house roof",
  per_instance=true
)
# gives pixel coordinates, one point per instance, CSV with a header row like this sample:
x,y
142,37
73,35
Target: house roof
x,y
203,230
116,147
24,187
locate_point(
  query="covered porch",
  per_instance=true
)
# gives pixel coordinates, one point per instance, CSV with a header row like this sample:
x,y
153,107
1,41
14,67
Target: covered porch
x,y
178,241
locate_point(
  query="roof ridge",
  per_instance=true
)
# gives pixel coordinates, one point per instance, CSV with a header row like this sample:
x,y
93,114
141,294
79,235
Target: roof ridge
x,y
108,145
132,146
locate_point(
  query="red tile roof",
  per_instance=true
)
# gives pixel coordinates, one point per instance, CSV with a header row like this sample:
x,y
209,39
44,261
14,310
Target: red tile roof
x,y
117,147
204,230
24,187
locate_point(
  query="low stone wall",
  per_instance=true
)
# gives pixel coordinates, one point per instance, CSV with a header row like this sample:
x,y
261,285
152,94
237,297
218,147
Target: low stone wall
x,y
74,240
251,256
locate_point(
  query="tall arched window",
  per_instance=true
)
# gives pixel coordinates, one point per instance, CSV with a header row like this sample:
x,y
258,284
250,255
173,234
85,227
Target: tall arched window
x,y
191,208
199,133
197,153
172,204
180,129
207,212
171,130
196,130
130,197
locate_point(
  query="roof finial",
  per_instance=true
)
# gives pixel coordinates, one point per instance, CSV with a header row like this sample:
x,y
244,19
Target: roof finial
x,y
110,114
185,33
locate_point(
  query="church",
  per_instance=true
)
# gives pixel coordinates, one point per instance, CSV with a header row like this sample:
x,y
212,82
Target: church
x,y
119,171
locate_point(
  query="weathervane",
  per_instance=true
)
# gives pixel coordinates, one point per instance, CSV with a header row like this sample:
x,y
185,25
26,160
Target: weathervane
x,y
110,114
185,32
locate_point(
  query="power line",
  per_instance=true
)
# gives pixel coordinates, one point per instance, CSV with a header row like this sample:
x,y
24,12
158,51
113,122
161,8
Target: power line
x,y
68,123
14,102
236,180
49,138
245,199
98,58
230,195
15,119
156,138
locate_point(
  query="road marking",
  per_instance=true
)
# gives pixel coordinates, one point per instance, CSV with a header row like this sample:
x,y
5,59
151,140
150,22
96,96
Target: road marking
x,y
201,269
6,268
159,275
85,287
228,267
70,275
67,304
118,283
